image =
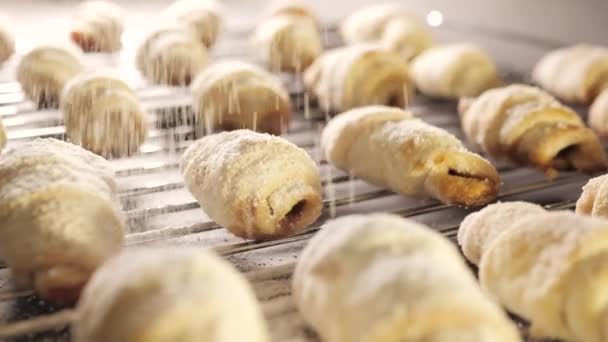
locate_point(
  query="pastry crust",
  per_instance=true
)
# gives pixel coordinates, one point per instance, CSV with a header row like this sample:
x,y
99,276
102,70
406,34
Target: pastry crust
x,y
232,95
289,39
547,267
389,147
102,114
359,75
7,42
44,71
98,27
184,294
526,125
171,55
202,17
408,38
383,278
574,74
454,70
257,186
59,216
594,199
598,114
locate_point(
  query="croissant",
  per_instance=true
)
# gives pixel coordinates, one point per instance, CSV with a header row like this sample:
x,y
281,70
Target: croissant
x,y
383,278
256,185
389,147
7,42
598,114
184,294
98,27
547,267
203,17
526,125
594,199
44,71
357,76
575,74
289,38
102,114
231,95
453,71
171,55
59,216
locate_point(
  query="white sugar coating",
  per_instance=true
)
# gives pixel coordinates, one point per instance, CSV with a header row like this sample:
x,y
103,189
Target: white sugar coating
x,y
598,114
480,228
369,23
594,199
7,41
203,17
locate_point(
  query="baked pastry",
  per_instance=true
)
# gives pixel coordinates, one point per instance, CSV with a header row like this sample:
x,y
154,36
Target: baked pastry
x,y
454,70
574,74
258,186
288,39
102,114
390,24
2,136
172,56
44,71
594,199
170,294
391,148
59,216
231,95
526,125
598,114
7,42
547,267
98,27
383,278
357,76
203,17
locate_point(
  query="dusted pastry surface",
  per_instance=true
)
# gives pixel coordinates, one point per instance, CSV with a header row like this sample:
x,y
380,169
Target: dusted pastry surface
x,y
98,27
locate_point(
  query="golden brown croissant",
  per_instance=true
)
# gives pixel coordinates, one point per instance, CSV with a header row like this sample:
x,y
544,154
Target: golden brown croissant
x,y
171,55
359,75
154,295
232,95
381,278
594,199
389,147
102,114
203,17
547,267
454,70
44,71
526,125
598,114
289,38
256,185
98,27
59,216
7,42
575,74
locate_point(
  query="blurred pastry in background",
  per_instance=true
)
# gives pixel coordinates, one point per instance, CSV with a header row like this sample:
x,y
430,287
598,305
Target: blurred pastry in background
x,y
7,42
232,95
389,24
44,71
574,74
98,27
171,55
598,114
102,114
202,17
359,75
2,136
288,38
454,70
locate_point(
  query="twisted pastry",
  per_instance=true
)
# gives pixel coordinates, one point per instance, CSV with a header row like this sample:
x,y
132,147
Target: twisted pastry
x,y
389,147
59,216
171,55
598,114
289,38
44,71
357,76
594,199
575,74
525,125
102,114
7,42
454,70
547,267
383,278
154,295
256,185
203,17
231,95
98,27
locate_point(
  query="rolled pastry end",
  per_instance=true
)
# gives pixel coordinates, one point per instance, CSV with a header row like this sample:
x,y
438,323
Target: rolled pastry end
x,y
61,284
462,178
